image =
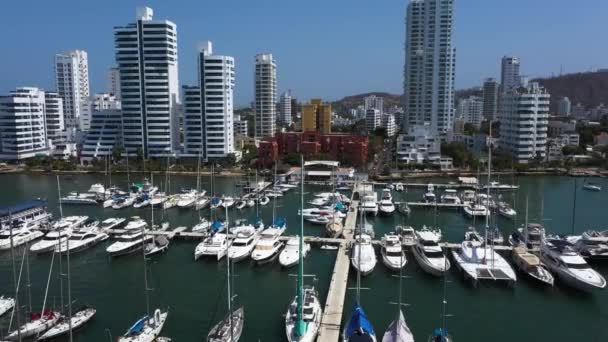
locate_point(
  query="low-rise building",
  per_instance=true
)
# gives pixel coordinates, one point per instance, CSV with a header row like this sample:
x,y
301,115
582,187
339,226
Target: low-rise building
x,y
555,145
601,139
240,126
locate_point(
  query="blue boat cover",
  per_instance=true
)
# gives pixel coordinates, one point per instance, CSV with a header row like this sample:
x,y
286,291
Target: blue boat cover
x,y
257,222
439,335
359,322
217,225
279,222
215,201
5,211
339,206
137,327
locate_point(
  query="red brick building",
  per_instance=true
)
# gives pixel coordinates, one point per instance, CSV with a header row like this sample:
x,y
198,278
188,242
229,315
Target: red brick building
x,y
347,148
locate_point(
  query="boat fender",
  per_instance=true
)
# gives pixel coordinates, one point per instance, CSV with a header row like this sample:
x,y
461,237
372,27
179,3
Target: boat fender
x,y
157,317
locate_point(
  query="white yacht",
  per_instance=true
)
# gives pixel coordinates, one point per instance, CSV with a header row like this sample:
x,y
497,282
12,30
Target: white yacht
x,y
50,241
393,256
146,329
531,265
429,196
128,243
136,224
363,256
81,240
289,256
202,202
369,203
475,210
495,186
387,207
124,202
69,222
141,201
311,317
202,226
561,259
228,202
112,223
505,210
215,245
79,198
63,327
97,188
591,245
450,196
158,199
480,262
243,244
407,234
592,187
40,322
319,201
531,235
429,254
6,304
19,237
187,198
268,246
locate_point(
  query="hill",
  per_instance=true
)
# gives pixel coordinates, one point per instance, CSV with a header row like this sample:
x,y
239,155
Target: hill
x,y
588,88
343,105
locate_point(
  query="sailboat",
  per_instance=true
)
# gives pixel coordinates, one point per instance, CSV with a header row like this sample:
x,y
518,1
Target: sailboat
x,y
441,334
398,331
231,327
303,316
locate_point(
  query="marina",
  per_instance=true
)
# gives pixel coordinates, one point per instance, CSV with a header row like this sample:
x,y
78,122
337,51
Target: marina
x,y
200,282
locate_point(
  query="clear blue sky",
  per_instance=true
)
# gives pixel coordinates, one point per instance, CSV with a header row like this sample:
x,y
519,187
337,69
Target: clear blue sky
x,y
324,48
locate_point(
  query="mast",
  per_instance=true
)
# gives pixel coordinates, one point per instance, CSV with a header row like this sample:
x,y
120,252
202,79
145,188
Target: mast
x,y
128,177
574,207
228,286
16,287
60,262
274,203
67,241
143,253
300,327
488,201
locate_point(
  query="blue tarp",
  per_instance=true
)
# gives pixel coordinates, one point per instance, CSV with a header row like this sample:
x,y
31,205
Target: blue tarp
x,y
340,206
279,222
137,327
439,335
359,322
216,226
215,201
14,209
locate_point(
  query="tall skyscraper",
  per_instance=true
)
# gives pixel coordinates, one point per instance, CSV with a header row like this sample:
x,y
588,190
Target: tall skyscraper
x,y
72,82
490,98
509,74
265,95
54,116
374,102
113,82
285,108
208,108
146,55
316,116
430,60
471,109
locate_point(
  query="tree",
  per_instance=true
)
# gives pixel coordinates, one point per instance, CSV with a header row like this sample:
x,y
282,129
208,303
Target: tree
x,y
572,150
117,152
380,132
470,129
292,159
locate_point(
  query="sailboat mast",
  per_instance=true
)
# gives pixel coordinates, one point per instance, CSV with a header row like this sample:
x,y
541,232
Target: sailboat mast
x,y
128,177
228,284
143,252
60,261
299,300
574,207
67,241
15,286
488,198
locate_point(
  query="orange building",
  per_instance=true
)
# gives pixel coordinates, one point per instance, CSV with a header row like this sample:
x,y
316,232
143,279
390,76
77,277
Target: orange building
x,y
316,116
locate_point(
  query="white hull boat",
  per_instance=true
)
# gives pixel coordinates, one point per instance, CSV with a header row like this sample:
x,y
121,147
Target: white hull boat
x,y
50,241
312,317
289,256
429,254
242,246
79,319
38,325
393,256
363,256
221,331
268,246
215,245
112,223
530,265
128,243
147,329
6,304
20,237
80,241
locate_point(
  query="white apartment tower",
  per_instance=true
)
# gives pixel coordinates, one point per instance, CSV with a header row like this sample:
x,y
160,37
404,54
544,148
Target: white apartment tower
x,y
72,82
146,55
54,115
430,60
374,102
509,74
265,95
564,107
208,108
471,110
113,82
96,103
523,122
285,108
373,119
23,124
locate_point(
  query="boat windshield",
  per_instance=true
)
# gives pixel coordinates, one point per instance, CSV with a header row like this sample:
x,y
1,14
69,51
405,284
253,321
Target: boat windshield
x,y
428,243
577,266
52,238
239,244
393,254
433,254
264,247
129,238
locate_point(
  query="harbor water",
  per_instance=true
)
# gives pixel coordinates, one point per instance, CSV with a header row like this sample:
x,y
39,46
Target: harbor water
x,y
194,291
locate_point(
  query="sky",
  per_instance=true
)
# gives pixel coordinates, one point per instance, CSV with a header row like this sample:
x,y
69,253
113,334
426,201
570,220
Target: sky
x,y
323,48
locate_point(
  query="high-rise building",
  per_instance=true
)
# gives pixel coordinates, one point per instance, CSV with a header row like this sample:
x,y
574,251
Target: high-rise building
x,y
285,112
294,109
103,135
389,124
54,116
316,116
374,102
209,112
373,119
265,95
430,60
72,82
23,124
490,98
113,82
241,128
524,117
509,74
564,107
96,103
146,55
471,109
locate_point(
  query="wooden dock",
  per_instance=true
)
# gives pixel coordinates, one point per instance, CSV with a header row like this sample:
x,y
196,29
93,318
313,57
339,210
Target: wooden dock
x,y
438,205
334,304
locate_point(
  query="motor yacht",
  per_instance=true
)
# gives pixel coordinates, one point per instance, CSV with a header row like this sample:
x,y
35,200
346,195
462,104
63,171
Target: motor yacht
x,y
243,244
393,256
159,244
80,241
289,256
141,201
19,237
562,260
369,203
112,223
363,256
187,198
214,245
170,202
79,198
268,246
407,234
450,197
475,210
531,235
505,210
495,186
136,224
69,222
429,254
591,245
468,196
386,203
97,188
158,199
429,196
124,202
50,241
530,265
128,243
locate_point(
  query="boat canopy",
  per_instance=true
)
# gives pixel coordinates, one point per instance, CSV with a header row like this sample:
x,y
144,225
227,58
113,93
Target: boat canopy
x,y
215,201
217,225
339,206
359,323
137,327
279,222
14,209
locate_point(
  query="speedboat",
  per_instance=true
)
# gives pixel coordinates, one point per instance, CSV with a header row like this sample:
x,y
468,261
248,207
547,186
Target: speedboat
x,y
159,244
475,210
268,246
221,331
124,202
530,265
289,256
228,202
407,234
112,223
81,240
311,317
79,198
50,241
363,257
495,186
6,304
158,199
136,223
215,245
39,323
241,204
506,211
243,244
592,187
146,329
369,204
530,235
591,245
69,222
128,243
187,198
216,202
77,320
20,236
141,201
429,254
202,226
319,201
170,202
359,328
392,252
386,203
562,260
450,197
429,196
264,200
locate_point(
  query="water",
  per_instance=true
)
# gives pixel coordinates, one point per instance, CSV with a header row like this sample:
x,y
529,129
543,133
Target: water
x,y
194,292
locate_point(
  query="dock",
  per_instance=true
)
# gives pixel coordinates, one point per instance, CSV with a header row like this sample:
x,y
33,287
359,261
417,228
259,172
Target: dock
x,y
438,205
